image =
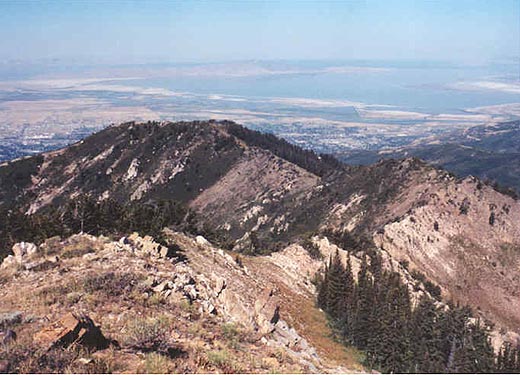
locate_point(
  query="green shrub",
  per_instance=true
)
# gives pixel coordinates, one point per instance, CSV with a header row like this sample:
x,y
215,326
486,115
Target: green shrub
x,y
147,334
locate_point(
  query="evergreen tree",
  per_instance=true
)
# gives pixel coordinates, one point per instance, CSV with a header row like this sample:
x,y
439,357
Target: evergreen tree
x,y
363,320
426,340
349,303
336,288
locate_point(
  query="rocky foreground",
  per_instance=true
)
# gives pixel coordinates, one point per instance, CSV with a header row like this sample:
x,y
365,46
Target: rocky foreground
x,y
90,304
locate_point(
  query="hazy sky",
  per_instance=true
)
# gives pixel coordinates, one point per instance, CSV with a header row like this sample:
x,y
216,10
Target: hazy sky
x,y
121,31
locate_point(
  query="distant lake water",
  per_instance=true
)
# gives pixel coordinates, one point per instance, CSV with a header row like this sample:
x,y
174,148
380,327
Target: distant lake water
x,y
429,89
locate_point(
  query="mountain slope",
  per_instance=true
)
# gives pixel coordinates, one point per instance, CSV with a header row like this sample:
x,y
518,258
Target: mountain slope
x,y
205,314
264,194
490,152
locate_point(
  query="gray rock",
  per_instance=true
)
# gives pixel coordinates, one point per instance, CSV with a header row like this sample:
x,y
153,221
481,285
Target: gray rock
x,y
124,241
9,262
208,307
150,281
22,250
162,287
191,292
220,285
202,241
285,335
8,319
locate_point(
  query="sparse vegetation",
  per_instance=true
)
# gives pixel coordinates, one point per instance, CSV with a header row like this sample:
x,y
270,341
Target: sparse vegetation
x,y
110,283
147,334
155,363
27,358
223,360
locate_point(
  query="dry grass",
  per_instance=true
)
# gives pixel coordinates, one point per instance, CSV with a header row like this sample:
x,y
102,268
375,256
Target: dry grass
x,y
25,357
147,333
224,360
155,363
312,324
300,312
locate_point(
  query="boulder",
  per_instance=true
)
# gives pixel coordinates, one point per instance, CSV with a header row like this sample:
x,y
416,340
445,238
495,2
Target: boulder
x,y
7,319
165,285
69,329
202,241
208,307
164,252
233,306
23,250
150,281
191,292
41,265
9,262
220,285
286,335
267,310
124,241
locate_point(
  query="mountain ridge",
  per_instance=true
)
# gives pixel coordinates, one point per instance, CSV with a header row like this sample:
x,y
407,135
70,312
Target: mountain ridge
x,y
264,194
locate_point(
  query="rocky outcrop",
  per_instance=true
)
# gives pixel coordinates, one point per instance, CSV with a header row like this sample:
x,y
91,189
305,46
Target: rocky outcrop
x,y
464,237
28,256
267,311
146,246
72,329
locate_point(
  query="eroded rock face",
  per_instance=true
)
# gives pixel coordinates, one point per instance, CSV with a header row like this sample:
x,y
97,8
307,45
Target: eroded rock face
x,y
451,238
141,246
228,289
267,311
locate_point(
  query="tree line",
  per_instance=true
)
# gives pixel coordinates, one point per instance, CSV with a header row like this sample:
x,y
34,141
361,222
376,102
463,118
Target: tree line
x,y
374,312
107,217
320,164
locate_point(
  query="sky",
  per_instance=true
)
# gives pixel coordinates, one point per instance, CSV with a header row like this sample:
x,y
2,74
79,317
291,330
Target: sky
x,y
116,31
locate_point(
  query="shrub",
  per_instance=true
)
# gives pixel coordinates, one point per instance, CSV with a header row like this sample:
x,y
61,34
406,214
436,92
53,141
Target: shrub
x,y
147,334
433,289
464,207
155,363
76,252
233,335
312,249
110,283
222,360
492,219
229,331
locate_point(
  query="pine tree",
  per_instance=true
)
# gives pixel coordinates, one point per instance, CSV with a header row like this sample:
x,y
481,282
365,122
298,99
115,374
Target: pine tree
x,y
323,286
362,325
426,339
336,288
349,303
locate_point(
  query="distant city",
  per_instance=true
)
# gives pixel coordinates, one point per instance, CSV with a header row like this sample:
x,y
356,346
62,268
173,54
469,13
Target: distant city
x,y
331,107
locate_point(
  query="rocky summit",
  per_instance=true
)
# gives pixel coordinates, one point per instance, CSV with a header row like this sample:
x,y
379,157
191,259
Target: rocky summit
x,y
206,246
